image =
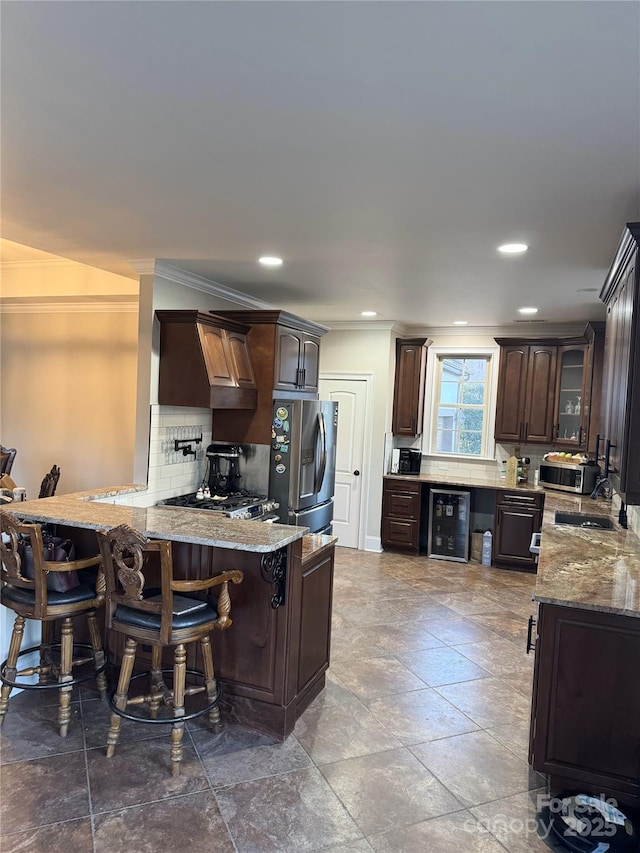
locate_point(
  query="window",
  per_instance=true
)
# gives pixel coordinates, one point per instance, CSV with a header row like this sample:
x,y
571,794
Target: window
x,y
461,404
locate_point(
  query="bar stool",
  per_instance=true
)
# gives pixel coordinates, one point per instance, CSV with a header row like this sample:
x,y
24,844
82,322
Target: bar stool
x,y
30,598
7,455
161,618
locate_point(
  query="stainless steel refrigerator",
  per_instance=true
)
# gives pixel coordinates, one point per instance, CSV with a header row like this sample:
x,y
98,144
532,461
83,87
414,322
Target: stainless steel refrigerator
x,y
302,469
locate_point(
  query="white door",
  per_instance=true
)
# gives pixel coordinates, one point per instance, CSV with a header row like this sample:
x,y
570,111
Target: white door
x,y
351,395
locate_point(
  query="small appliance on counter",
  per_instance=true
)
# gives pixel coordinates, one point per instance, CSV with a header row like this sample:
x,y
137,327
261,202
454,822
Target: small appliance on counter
x,y
408,460
568,473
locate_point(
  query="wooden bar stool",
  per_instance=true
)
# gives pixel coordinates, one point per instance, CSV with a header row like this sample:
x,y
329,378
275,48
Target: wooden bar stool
x,y
30,598
161,618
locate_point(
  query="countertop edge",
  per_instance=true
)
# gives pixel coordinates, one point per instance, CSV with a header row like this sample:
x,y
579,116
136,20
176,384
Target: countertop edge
x,y
86,510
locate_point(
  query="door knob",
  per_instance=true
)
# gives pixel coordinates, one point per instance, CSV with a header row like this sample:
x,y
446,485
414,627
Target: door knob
x,y
356,473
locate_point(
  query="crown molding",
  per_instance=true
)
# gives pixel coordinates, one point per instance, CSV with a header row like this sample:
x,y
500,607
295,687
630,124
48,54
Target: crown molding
x,y
354,326
58,305
197,282
58,264
514,329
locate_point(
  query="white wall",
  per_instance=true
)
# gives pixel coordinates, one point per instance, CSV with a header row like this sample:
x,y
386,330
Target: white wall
x,y
370,351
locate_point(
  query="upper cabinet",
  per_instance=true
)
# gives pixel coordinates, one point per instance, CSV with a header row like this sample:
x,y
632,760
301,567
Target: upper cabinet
x,y
408,392
526,391
204,362
549,390
621,386
297,361
285,353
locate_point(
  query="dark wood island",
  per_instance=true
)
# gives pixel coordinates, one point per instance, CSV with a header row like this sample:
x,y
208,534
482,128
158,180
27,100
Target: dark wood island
x,y
272,663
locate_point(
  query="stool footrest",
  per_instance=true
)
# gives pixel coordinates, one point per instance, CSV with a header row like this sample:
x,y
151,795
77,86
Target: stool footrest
x,y
168,718
18,679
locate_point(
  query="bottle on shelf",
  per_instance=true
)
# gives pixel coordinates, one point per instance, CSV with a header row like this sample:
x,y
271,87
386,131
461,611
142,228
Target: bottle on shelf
x,y
462,509
448,507
439,506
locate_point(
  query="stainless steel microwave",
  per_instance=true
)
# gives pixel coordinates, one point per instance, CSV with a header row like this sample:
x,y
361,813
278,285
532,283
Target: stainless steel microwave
x,y
569,476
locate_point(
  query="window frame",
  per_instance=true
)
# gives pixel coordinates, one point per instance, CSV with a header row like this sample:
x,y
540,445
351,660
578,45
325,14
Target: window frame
x,y
432,388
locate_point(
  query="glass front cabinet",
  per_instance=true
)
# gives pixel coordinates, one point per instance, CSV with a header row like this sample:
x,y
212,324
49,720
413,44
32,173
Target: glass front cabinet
x,y
572,397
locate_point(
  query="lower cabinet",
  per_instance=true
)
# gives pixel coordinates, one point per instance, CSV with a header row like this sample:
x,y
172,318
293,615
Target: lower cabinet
x,y
271,662
316,595
401,515
586,702
518,517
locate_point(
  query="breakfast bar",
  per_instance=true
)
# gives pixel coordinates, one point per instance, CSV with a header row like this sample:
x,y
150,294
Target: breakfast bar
x,y
272,663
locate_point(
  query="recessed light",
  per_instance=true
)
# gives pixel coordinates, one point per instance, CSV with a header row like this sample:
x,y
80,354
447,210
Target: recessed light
x,y
368,313
527,310
512,248
460,322
270,261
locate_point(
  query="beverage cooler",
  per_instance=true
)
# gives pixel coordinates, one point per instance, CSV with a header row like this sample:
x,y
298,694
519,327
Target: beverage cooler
x,y
449,525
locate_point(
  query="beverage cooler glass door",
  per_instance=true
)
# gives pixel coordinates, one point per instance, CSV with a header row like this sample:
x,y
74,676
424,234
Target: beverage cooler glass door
x,y
448,537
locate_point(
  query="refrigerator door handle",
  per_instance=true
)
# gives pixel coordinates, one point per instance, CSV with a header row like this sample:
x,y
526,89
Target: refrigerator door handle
x,y
323,456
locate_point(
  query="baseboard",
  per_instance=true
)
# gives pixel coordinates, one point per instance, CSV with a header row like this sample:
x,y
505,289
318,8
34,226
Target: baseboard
x,y
373,543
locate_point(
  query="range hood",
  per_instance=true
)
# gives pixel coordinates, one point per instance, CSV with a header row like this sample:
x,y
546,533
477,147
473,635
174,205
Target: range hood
x,y
204,362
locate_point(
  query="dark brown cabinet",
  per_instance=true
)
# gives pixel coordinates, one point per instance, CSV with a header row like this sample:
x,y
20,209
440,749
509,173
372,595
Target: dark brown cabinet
x,y
518,517
314,643
204,362
621,386
586,702
526,391
549,390
401,501
297,362
271,663
408,391
285,353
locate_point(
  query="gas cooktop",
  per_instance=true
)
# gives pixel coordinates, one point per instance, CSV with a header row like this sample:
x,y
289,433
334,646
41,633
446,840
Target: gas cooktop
x,y
234,505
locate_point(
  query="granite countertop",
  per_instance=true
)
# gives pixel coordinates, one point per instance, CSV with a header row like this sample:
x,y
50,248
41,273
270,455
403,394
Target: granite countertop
x,y
91,510
313,544
466,482
588,569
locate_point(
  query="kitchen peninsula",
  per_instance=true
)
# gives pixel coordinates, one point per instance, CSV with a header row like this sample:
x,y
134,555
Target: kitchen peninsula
x,y
273,662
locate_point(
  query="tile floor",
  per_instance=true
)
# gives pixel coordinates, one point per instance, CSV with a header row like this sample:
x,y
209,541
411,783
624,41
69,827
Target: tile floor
x,y
418,743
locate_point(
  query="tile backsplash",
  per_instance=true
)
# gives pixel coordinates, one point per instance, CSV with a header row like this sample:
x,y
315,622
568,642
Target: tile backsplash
x,y
170,471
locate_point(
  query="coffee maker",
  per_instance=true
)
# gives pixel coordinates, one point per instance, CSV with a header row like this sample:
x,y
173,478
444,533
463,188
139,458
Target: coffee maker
x,y
224,468
409,461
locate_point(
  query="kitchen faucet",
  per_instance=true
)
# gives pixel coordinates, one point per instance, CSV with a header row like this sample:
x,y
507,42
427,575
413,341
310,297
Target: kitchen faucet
x,y
603,484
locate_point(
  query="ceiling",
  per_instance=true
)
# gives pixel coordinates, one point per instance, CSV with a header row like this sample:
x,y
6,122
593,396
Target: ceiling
x,y
383,149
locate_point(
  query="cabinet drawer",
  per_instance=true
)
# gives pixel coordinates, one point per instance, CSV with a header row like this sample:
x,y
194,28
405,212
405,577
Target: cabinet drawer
x,y
401,505
399,533
521,499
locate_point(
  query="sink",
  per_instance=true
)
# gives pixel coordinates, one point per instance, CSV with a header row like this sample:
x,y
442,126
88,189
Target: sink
x,y
583,519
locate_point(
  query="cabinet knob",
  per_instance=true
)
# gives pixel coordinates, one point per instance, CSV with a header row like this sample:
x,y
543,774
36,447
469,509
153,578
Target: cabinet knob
x,y
356,473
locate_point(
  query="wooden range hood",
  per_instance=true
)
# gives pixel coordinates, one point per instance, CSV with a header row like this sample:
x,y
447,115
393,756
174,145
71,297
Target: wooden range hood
x,y
204,362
